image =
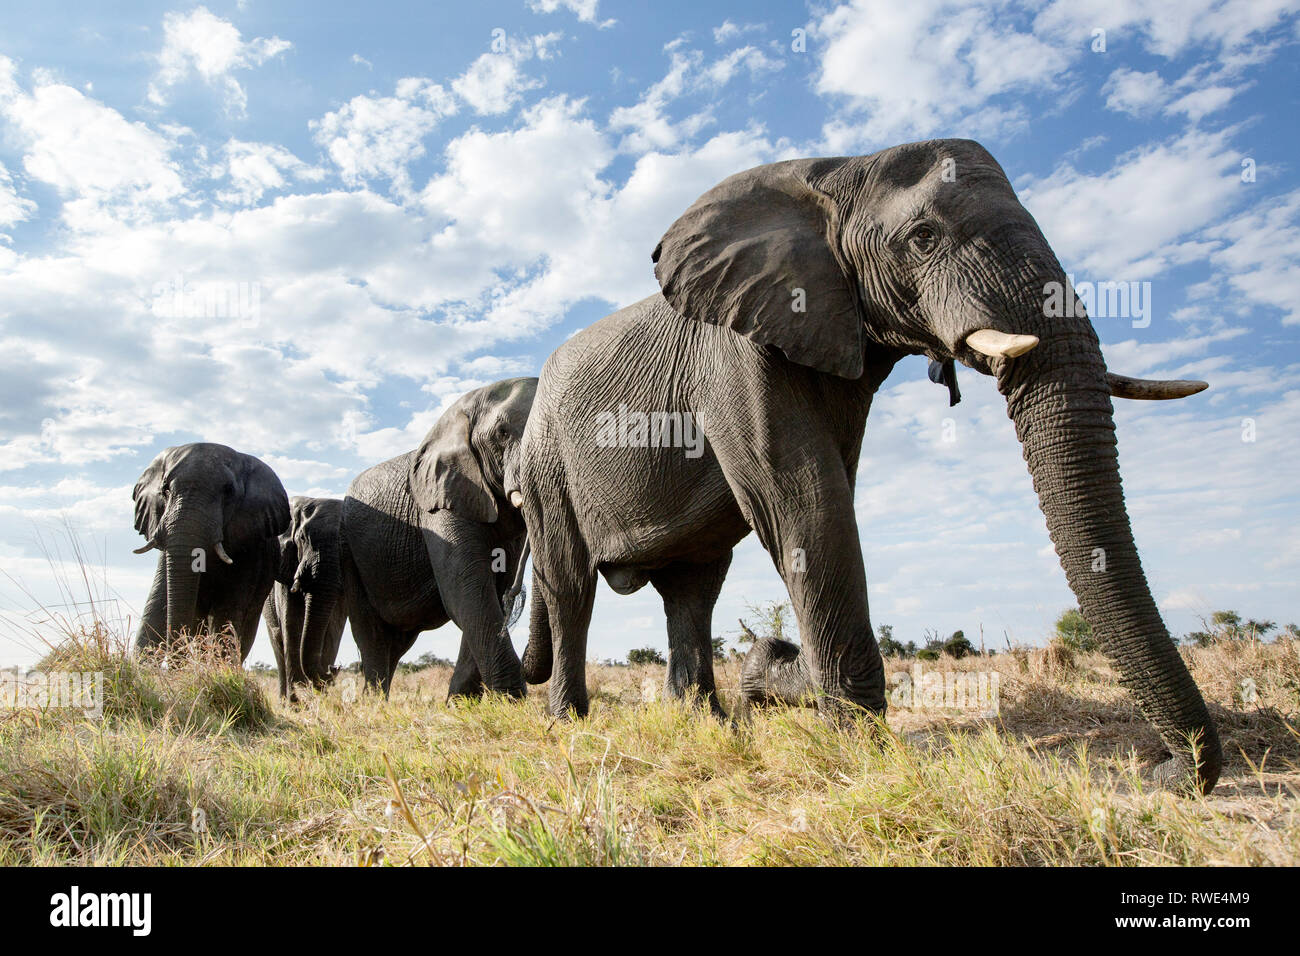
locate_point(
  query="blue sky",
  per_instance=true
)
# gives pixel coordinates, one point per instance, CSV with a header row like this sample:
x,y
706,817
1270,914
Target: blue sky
x,y
427,197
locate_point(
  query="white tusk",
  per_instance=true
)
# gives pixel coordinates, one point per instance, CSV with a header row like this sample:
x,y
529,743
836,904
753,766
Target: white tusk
x,y
1152,389
516,499
221,553
143,548
997,344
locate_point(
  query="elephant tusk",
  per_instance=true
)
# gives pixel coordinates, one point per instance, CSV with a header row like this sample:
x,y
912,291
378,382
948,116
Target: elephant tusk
x,y
997,344
1152,389
516,499
148,546
221,553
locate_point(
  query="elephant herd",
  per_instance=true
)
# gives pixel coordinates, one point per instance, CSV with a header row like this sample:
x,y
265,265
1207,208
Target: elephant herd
x,y
788,293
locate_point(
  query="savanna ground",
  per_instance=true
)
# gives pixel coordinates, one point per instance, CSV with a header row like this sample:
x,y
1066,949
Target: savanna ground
x,y
203,765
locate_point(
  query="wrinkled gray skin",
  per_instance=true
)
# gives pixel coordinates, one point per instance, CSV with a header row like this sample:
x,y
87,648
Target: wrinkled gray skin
x,y
193,502
422,533
888,259
305,612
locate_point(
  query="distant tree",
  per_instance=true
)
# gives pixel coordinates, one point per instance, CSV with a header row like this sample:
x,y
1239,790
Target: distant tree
x,y
958,646
645,655
1292,631
1256,630
719,648
769,619
1075,632
888,646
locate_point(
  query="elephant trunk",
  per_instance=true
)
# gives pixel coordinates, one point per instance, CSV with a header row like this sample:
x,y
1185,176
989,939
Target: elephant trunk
x,y
775,672
182,578
1059,400
318,610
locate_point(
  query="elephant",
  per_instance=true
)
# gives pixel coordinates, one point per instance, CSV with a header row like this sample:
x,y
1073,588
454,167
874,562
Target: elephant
x,y
788,293
431,536
215,515
305,612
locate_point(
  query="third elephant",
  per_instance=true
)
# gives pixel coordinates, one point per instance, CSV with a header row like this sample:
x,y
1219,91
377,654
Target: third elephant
x,y
431,536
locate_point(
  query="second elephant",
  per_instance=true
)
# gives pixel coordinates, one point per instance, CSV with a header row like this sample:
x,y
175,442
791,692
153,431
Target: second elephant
x,y
431,536
305,612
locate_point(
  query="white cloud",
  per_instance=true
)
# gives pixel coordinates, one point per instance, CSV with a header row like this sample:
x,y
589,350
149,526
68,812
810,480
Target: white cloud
x,y
584,10
13,207
494,83
910,69
254,168
89,152
201,42
729,31
1131,221
376,137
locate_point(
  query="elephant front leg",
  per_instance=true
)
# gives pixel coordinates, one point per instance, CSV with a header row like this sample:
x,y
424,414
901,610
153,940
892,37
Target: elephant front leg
x,y
689,593
813,541
466,681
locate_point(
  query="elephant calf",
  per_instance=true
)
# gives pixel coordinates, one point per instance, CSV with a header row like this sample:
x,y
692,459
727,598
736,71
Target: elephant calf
x,y
433,535
305,611
215,515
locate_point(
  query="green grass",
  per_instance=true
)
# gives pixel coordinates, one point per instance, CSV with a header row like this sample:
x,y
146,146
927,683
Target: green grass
x,y
346,778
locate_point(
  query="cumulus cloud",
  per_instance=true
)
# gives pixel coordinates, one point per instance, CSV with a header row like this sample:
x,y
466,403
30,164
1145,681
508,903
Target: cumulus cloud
x,y
494,82
255,168
201,43
13,207
373,137
584,10
92,155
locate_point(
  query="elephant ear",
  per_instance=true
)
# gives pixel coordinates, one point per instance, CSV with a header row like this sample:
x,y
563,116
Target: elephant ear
x,y
261,510
148,498
756,254
287,569
446,473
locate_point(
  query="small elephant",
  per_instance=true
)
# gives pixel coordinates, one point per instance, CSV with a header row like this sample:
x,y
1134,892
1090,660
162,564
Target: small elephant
x,y
305,612
433,535
215,515
788,294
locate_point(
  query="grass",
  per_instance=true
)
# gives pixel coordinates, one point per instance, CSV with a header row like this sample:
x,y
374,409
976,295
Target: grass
x,y
202,764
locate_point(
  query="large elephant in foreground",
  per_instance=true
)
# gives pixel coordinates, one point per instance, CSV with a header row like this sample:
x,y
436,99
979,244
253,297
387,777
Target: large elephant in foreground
x,y
305,612
431,536
215,515
789,292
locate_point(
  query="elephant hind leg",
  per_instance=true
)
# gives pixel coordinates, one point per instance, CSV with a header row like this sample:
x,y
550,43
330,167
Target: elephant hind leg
x,y
689,592
466,681
568,609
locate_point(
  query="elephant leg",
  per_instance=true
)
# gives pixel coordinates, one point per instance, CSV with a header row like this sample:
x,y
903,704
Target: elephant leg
x,y
689,592
399,643
275,629
569,612
806,522
465,679
471,596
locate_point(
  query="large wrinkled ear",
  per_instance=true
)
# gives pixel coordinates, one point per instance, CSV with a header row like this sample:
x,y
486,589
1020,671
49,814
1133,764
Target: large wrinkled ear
x,y
288,566
446,474
755,253
148,498
262,508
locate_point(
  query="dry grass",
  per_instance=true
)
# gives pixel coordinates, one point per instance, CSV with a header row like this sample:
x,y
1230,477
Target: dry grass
x,y
201,764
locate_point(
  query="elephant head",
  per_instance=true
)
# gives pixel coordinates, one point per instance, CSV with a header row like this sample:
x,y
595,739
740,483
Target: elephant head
x,y
310,566
851,263
468,464
202,503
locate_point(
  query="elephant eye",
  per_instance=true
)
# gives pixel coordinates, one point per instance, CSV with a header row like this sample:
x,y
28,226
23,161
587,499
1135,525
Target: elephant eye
x,y
924,239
